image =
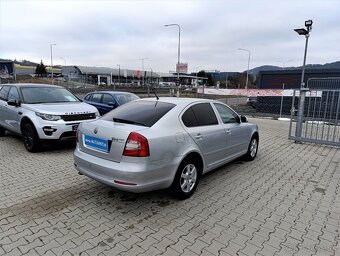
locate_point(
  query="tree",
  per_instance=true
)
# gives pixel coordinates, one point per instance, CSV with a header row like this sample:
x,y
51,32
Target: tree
x,y
40,69
209,81
202,74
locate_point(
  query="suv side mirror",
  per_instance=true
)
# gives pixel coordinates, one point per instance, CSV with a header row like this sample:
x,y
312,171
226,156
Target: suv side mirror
x,y
13,102
243,119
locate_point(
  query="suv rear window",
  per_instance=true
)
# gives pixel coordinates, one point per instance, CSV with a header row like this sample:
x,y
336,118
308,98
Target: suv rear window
x,y
145,113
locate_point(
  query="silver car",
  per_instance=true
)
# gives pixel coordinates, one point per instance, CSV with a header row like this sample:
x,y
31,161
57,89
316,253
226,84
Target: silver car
x,y
42,112
152,144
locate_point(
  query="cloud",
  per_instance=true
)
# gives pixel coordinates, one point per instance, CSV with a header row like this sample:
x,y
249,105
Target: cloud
x,y
107,33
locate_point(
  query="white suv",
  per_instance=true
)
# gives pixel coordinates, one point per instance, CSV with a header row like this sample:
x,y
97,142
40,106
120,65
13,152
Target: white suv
x,y
41,113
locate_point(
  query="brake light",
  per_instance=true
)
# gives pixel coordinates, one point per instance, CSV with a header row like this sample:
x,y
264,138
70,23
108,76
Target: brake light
x,y
136,145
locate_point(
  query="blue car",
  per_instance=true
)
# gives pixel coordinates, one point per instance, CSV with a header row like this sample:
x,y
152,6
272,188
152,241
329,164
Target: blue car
x,y
105,101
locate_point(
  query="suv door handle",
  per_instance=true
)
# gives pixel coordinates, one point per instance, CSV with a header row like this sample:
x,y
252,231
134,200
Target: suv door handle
x,y
199,136
228,131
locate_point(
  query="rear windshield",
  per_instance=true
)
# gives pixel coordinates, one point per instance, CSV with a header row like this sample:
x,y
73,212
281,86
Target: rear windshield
x,y
145,113
35,95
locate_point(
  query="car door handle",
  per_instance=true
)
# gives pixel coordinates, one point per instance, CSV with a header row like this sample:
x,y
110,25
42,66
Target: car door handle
x,y
199,136
228,131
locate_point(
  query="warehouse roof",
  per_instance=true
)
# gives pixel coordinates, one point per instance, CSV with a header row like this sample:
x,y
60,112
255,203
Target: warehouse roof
x,y
114,71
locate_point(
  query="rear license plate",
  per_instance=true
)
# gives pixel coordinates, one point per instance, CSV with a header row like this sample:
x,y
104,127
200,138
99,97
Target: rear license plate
x,y
75,127
96,143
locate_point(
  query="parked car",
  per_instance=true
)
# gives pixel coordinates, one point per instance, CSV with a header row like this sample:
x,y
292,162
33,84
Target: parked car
x,y
252,101
152,144
42,113
105,101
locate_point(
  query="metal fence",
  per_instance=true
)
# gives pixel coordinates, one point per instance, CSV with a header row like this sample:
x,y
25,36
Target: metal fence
x,y
321,118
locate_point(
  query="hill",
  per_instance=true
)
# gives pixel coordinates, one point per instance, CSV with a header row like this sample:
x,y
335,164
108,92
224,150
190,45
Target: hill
x,y
332,65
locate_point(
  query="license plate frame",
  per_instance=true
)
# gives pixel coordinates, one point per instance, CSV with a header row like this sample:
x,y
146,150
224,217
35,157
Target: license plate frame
x,y
96,143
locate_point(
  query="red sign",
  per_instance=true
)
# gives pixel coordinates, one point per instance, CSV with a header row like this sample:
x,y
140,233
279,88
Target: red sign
x,y
138,74
182,67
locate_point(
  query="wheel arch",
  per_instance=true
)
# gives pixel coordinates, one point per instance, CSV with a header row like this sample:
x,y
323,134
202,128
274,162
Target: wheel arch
x,y
196,155
25,120
256,135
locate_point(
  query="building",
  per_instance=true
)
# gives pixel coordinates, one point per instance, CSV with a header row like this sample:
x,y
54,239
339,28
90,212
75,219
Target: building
x,y
287,79
291,79
109,76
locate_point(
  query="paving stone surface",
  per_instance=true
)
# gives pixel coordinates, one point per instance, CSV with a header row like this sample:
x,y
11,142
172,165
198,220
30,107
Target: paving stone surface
x,y
285,202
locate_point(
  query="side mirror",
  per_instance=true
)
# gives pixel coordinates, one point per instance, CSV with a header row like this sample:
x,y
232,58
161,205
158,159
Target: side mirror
x,y
13,102
243,119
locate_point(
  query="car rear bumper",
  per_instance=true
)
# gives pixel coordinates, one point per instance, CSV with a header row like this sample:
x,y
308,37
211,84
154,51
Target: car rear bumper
x,y
146,176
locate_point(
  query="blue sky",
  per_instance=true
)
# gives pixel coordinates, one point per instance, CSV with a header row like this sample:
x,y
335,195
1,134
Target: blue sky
x,y
107,33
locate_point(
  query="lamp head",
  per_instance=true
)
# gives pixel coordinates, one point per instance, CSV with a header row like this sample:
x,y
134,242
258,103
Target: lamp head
x,y
308,23
301,31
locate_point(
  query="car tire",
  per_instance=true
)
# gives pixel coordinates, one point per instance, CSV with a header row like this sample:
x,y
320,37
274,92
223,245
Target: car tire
x,y
186,178
2,131
252,148
30,137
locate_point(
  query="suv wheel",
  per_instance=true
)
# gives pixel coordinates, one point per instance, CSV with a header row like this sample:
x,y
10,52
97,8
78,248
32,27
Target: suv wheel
x,y
186,179
30,136
2,131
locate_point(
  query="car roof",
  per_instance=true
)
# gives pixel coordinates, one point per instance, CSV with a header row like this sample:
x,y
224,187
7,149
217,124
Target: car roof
x,y
22,85
112,92
178,101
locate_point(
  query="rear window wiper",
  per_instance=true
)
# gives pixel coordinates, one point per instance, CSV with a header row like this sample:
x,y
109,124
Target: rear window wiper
x,y
118,120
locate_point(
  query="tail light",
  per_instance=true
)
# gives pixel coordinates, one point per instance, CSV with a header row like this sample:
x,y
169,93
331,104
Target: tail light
x,y
136,145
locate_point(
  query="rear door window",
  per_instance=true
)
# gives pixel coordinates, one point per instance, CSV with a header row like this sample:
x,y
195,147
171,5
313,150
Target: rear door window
x,y
107,98
4,93
201,114
189,118
96,97
144,113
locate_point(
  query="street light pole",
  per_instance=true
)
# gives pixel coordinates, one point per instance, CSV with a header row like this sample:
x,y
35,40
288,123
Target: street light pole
x,y
149,83
179,53
284,63
283,85
241,49
303,89
51,45
118,74
63,60
142,59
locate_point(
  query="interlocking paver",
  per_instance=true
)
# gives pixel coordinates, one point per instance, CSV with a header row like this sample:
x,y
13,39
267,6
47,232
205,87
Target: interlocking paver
x,y
270,206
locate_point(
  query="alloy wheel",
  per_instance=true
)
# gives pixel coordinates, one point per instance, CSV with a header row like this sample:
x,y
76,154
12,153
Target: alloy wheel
x,y
188,178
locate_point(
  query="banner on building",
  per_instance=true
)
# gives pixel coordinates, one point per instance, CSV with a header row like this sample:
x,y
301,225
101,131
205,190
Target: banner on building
x,y
182,67
138,74
125,73
257,92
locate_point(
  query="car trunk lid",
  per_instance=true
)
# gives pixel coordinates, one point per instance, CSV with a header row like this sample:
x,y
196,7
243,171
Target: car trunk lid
x,y
106,139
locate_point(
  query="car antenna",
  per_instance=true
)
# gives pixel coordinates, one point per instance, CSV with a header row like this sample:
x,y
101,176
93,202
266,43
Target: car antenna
x,y
153,90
